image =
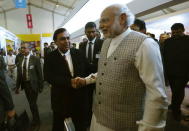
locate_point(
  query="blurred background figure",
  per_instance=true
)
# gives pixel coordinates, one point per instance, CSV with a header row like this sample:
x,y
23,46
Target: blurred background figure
x,y
84,40
6,102
11,64
52,46
176,65
139,25
47,49
98,34
74,45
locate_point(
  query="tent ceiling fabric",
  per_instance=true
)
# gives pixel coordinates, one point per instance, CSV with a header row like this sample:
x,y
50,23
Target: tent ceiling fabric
x,y
64,8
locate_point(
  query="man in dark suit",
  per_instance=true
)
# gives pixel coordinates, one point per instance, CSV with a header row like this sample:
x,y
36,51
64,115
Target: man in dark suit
x,y
90,51
29,78
47,49
18,57
176,64
60,67
6,102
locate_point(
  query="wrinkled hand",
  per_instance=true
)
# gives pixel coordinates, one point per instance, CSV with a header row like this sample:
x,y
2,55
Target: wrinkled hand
x,y
11,113
78,82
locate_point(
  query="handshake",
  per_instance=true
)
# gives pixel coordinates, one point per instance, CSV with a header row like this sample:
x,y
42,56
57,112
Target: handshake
x,y
78,82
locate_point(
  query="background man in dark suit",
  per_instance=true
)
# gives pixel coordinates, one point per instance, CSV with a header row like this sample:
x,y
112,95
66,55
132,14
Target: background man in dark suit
x,y
29,77
60,67
90,51
47,49
6,102
176,63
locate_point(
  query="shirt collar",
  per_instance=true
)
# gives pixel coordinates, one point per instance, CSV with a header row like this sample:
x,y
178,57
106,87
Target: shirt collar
x,y
64,54
122,35
93,41
28,56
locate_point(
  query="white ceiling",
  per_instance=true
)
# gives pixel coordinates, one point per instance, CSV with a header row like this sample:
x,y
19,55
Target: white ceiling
x,y
168,10
68,8
64,8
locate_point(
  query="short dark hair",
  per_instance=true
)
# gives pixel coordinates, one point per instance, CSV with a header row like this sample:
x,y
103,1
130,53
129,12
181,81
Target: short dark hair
x,y
58,31
140,23
90,25
177,26
46,43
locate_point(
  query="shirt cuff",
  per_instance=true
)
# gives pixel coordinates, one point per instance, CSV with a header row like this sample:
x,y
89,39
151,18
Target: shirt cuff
x,y
144,126
91,79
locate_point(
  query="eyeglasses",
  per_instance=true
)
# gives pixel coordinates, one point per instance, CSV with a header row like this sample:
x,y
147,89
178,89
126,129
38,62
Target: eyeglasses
x,y
64,38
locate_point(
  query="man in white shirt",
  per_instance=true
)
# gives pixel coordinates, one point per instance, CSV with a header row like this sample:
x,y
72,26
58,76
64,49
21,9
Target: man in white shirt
x,y
130,90
11,64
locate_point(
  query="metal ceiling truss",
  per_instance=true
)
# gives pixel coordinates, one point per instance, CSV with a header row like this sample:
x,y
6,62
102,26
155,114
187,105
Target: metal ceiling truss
x,y
161,7
46,9
34,5
60,4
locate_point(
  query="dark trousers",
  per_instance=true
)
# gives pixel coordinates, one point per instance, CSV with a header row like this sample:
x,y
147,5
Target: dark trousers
x,y
58,122
90,91
31,96
178,92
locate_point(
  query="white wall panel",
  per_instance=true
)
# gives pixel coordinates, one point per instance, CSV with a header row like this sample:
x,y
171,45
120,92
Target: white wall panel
x,y
57,21
42,21
16,21
2,21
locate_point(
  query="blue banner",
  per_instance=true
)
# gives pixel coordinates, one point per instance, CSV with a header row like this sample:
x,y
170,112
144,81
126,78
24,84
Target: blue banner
x,y
20,3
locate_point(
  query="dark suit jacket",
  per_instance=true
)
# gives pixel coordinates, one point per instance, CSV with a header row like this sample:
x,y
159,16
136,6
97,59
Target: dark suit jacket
x,y
176,57
34,72
91,68
6,102
18,57
64,98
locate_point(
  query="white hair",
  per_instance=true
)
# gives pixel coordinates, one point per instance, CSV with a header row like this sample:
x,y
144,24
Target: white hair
x,y
130,15
123,9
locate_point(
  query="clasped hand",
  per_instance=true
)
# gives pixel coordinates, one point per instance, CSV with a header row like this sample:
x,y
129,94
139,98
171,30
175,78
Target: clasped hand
x,y
78,82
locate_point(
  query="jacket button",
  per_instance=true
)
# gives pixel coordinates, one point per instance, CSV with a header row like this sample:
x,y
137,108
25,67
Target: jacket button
x,y
102,74
99,102
105,64
99,93
100,83
115,58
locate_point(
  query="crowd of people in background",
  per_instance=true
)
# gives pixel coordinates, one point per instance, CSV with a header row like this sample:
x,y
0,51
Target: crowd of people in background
x,y
107,71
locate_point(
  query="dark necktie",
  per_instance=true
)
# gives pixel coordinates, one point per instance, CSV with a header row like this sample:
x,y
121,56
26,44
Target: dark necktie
x,y
66,61
25,69
90,52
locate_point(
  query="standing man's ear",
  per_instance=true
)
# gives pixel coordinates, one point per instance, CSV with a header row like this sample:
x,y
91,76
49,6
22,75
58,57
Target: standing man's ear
x,y
123,19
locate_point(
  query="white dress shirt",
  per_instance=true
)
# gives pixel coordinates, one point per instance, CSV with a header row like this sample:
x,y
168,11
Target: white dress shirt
x,y
92,46
27,65
69,60
149,64
11,59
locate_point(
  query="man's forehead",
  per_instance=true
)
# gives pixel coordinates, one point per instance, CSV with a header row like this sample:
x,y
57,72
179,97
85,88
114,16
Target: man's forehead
x,y
90,29
65,33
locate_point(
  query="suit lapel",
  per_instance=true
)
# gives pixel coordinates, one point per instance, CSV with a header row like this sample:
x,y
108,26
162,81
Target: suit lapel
x,y
62,60
95,49
84,48
74,61
30,62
